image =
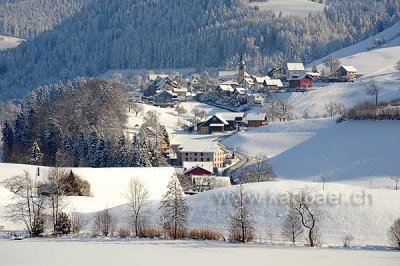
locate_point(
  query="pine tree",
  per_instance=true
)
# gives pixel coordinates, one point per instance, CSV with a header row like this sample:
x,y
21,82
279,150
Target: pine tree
x,y
174,208
100,154
92,145
143,158
52,140
36,156
121,155
8,142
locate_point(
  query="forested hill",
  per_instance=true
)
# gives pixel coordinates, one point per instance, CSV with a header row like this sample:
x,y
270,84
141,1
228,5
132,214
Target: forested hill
x,y
179,33
28,18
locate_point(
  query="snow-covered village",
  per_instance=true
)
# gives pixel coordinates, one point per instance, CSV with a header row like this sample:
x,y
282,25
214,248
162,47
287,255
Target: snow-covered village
x,y
218,131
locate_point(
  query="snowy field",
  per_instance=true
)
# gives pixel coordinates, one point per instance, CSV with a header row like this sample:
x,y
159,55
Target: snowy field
x,y
9,42
159,252
289,7
344,209
169,118
356,152
277,137
349,94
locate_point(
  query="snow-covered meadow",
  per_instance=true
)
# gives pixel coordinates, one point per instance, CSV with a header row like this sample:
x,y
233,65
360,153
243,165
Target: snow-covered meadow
x,y
7,42
197,253
289,7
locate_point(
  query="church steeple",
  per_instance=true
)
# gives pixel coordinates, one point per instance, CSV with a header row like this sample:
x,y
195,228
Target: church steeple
x,y
242,69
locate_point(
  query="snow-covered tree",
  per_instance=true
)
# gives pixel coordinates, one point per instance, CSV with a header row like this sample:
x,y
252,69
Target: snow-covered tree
x,y
241,218
174,209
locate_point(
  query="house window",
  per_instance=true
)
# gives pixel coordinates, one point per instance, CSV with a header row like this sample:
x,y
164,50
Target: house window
x,y
195,154
202,159
208,159
201,154
186,159
186,154
195,159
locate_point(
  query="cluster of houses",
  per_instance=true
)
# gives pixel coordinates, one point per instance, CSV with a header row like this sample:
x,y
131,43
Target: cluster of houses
x,y
239,88
163,90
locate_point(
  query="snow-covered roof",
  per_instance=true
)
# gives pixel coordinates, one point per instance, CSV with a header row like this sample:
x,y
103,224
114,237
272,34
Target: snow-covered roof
x,y
295,67
180,89
209,166
155,76
261,79
350,68
229,82
255,117
198,146
242,90
226,87
222,119
274,82
230,116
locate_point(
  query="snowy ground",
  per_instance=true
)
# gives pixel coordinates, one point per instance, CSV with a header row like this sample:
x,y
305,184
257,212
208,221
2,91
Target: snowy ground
x,y
365,213
277,137
169,118
9,42
392,35
356,152
162,252
289,7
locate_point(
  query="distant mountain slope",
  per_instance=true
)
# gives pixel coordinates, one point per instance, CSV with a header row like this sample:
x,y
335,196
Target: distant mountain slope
x,y
29,18
152,34
387,38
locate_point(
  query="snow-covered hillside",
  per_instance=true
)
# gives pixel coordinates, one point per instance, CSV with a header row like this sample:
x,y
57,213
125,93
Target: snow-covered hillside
x,y
349,94
348,151
289,7
277,137
392,37
108,185
353,151
9,42
365,213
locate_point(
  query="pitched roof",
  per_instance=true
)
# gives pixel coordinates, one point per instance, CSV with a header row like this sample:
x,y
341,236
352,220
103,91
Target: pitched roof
x,y
255,117
350,68
230,116
226,87
199,146
295,67
198,167
261,79
274,82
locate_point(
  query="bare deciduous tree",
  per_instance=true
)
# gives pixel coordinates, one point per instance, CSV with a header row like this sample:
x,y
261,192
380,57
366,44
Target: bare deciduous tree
x,y
28,204
347,239
55,187
175,209
241,218
292,227
104,223
332,63
180,110
137,108
259,170
330,108
78,222
324,178
374,90
308,211
137,196
394,233
396,179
